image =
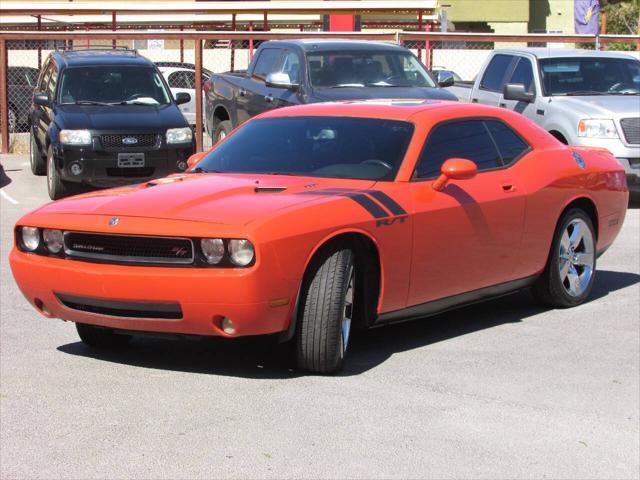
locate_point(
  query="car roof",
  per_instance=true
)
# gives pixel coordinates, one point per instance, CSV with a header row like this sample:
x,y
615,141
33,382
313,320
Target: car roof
x,y
391,109
540,52
322,44
72,58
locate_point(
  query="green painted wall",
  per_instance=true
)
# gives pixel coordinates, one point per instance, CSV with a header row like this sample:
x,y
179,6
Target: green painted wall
x,y
487,10
551,15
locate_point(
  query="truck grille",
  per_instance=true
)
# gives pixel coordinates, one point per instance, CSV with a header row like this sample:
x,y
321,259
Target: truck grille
x,y
631,129
128,248
138,140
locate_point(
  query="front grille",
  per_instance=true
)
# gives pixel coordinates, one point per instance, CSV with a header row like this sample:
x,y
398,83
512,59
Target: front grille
x,y
118,308
128,248
117,141
631,130
130,172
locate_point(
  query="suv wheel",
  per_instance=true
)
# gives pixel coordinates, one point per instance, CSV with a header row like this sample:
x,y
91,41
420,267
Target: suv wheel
x,y
38,164
222,130
57,187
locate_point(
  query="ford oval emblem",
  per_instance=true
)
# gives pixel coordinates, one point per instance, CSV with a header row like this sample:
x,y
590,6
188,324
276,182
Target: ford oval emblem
x,y
114,221
129,140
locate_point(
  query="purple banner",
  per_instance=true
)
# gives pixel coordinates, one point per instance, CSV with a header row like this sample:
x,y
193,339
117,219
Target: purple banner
x,y
586,14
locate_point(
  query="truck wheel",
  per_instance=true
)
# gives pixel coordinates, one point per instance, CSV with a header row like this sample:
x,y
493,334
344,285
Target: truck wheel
x,y
326,312
568,276
38,164
57,187
101,337
222,130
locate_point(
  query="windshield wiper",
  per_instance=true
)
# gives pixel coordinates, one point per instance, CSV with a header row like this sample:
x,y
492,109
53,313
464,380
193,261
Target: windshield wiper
x,y
585,93
92,102
276,173
346,85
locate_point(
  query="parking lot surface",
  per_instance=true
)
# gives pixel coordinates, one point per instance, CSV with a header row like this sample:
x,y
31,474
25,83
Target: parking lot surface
x,y
504,389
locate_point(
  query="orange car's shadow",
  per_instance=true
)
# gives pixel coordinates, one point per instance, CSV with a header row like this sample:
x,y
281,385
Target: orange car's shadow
x,y
263,358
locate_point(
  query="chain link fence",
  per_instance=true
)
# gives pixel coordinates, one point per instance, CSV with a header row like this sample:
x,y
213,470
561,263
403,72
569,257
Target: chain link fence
x,y
460,54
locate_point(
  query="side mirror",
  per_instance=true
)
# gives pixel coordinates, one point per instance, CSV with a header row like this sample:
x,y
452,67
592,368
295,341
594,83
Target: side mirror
x,y
516,91
280,80
445,79
195,158
454,169
41,99
182,97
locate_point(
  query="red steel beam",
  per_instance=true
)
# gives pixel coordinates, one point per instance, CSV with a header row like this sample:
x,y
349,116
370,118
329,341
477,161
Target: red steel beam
x,y
198,54
4,112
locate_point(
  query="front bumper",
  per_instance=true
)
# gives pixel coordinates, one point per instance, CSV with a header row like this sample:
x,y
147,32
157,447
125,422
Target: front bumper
x,y
99,167
250,297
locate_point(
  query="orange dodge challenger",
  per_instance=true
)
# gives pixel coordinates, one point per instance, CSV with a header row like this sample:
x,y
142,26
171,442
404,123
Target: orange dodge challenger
x,y
313,220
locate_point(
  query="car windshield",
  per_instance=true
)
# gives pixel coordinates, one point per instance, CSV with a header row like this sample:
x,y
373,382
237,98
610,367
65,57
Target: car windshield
x,y
590,76
366,69
337,147
113,85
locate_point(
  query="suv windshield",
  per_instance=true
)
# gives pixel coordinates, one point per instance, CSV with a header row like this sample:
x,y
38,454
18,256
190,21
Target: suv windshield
x,y
113,85
338,147
590,76
366,69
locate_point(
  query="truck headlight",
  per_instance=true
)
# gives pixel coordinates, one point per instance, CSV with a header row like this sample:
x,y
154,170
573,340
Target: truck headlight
x,y
52,240
179,135
241,252
590,128
212,249
30,238
75,137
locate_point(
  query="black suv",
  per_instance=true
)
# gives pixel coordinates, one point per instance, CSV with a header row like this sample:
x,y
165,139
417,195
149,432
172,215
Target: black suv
x,y
105,118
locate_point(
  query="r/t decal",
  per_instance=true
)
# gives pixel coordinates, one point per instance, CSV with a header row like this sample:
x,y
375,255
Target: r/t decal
x,y
387,222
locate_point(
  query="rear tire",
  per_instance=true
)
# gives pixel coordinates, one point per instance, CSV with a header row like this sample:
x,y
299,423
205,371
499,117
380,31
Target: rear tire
x,y
568,277
57,187
326,313
38,164
222,130
101,337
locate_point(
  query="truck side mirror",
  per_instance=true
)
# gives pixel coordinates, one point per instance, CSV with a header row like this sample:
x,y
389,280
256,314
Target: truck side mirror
x,y
42,99
445,79
280,80
516,91
182,97
454,169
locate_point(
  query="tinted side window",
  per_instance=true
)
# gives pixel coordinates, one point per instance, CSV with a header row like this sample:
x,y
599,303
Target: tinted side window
x,y
45,78
266,62
523,74
511,146
461,139
53,82
291,66
496,71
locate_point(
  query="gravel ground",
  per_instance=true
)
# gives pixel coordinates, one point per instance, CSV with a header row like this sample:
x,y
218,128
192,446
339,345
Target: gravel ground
x,y
499,390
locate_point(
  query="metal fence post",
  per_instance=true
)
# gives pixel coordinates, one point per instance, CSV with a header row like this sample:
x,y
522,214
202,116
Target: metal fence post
x,y
4,111
198,54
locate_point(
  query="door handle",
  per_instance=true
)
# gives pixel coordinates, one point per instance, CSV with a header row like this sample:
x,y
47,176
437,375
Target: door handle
x,y
268,98
503,105
242,92
508,187
474,100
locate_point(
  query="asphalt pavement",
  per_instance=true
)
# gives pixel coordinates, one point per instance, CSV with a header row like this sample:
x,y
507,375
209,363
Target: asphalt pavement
x,y
504,389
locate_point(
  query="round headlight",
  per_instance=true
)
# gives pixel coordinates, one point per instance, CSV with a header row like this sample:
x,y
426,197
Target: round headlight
x,y
213,249
241,252
52,240
30,238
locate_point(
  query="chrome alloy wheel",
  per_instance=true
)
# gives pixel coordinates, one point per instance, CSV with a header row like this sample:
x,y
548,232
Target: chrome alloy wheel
x,y
576,258
347,314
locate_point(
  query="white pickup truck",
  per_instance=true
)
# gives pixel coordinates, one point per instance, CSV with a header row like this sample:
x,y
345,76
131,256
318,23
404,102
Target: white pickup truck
x,y
582,97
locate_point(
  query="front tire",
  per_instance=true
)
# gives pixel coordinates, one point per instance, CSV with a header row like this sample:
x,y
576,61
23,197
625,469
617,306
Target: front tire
x,y
101,337
38,164
57,187
326,313
568,277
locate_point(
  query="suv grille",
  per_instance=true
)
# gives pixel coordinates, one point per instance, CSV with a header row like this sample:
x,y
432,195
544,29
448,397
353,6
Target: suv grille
x,y
129,141
631,129
128,248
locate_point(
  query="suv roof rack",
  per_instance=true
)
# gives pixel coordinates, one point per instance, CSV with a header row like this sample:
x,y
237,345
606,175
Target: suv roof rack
x,y
97,48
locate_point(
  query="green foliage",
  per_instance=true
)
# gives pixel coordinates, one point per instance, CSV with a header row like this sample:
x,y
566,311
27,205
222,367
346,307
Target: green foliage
x,y
623,18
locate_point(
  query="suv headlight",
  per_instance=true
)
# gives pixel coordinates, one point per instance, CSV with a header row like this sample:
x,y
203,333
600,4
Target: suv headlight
x,y
179,135
75,137
597,128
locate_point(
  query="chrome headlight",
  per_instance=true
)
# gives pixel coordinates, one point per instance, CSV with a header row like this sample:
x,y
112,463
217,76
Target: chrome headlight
x,y
53,240
212,249
241,252
179,135
593,128
75,137
30,238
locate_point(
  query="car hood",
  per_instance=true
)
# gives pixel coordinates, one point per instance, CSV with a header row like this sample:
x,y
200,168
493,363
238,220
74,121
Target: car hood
x,y
363,93
602,106
121,118
230,199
